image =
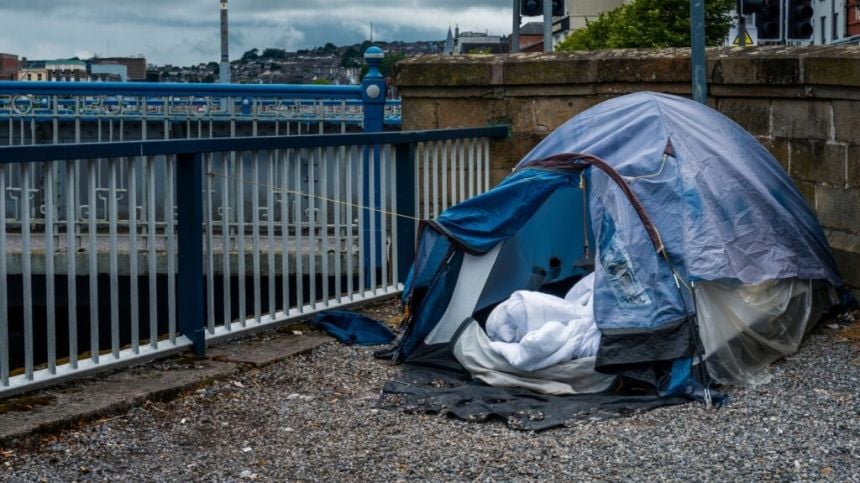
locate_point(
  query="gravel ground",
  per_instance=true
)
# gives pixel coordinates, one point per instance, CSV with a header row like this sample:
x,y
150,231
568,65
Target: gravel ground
x,y
315,417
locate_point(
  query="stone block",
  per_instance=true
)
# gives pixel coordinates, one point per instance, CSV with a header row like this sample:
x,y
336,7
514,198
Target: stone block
x,y
497,175
846,251
548,69
773,71
555,111
263,352
420,113
837,208
853,166
818,161
543,114
502,155
463,112
846,119
523,143
752,114
807,189
778,147
447,70
644,67
800,119
839,67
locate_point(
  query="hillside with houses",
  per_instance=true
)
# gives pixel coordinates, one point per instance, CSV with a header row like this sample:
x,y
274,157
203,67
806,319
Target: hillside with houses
x,y
329,64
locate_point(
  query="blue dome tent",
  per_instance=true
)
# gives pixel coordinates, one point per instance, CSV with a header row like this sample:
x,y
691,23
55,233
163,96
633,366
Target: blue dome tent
x,y
708,263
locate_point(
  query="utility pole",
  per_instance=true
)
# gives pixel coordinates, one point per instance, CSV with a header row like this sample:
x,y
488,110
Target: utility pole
x,y
547,26
742,24
515,35
697,36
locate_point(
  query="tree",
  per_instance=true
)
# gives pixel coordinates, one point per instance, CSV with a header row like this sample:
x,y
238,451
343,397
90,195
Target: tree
x,y
351,58
252,54
650,24
387,64
274,54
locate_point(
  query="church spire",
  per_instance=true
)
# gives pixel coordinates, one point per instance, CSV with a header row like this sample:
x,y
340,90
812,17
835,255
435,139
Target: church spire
x,y
449,43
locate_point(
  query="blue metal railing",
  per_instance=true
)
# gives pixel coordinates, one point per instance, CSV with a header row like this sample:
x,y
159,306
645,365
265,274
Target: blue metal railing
x,y
305,238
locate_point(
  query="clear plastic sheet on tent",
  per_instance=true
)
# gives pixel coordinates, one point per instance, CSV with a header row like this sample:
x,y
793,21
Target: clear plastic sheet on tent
x,y
744,328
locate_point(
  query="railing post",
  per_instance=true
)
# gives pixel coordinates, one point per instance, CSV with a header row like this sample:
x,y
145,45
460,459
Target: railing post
x,y
373,91
405,159
373,99
189,200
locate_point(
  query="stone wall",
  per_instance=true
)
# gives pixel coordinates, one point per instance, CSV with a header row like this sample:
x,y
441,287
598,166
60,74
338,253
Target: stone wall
x,y
802,103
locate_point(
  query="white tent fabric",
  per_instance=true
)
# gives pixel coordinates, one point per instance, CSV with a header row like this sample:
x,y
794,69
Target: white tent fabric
x,y
534,330
472,351
473,276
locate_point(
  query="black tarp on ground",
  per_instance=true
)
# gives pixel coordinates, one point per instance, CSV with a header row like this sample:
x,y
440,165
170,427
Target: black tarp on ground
x,y
427,390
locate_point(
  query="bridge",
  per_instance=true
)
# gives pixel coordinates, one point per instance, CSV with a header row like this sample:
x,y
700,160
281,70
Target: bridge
x,y
55,112
140,220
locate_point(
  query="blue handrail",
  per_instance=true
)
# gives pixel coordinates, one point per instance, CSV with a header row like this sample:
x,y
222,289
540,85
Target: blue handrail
x,y
176,89
52,152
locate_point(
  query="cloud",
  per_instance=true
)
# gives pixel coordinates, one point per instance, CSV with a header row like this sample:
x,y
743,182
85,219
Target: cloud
x,y
186,31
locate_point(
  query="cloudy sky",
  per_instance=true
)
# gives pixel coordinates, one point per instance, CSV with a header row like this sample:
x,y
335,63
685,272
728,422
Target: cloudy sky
x,y
184,32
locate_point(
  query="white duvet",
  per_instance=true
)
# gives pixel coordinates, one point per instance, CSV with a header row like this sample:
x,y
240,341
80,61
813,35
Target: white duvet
x,y
534,330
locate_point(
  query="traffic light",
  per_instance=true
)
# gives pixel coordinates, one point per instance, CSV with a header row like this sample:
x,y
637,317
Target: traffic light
x,y
799,19
751,6
768,19
531,8
534,8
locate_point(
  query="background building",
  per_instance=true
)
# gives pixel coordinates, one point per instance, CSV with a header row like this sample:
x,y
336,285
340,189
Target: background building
x,y
852,17
477,43
473,43
531,34
8,67
135,66
68,70
828,21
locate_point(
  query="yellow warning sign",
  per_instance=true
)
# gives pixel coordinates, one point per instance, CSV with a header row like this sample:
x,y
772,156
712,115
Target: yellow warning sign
x,y
747,39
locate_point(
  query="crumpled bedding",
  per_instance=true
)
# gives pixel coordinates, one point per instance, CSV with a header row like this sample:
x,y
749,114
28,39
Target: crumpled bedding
x,y
534,330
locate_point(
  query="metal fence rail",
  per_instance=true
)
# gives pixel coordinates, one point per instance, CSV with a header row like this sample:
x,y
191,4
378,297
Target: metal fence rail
x,y
65,112
75,112
251,232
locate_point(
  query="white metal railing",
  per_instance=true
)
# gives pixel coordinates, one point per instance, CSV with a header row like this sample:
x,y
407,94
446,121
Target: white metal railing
x,y
286,232
291,220
50,249
449,172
